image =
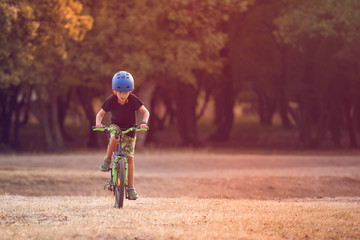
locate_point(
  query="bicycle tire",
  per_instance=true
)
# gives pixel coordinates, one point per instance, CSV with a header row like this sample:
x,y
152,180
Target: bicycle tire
x,y
120,185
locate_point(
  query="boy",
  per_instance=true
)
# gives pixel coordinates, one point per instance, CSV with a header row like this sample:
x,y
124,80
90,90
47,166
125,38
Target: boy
x,y
123,106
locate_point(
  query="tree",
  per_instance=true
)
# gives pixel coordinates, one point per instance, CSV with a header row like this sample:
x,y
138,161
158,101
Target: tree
x,y
36,36
60,22
256,63
325,33
161,43
17,31
260,60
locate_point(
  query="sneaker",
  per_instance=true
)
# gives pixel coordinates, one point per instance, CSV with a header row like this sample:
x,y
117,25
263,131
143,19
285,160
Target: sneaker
x,y
132,193
105,165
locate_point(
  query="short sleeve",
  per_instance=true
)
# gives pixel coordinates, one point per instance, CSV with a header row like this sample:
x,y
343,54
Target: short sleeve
x,y
136,102
107,104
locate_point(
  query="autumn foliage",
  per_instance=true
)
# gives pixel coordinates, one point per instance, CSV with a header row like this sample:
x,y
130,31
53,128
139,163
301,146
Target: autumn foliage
x,y
294,59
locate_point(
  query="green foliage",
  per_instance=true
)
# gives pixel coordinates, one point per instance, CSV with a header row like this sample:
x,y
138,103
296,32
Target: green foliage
x,y
325,82
33,33
325,18
34,37
60,23
154,40
17,31
327,33
254,51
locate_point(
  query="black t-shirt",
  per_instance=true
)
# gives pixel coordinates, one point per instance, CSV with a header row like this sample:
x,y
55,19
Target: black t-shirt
x,y
123,115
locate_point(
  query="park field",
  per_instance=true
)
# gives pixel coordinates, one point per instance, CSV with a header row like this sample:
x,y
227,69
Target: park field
x,y
183,195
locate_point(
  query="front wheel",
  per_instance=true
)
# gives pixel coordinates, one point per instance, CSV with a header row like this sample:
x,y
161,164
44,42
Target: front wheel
x,y
120,185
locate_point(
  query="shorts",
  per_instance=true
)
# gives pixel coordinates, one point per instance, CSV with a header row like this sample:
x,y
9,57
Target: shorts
x,y
128,143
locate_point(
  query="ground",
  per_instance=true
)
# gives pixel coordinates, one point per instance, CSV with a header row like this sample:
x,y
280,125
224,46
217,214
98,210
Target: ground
x,y
183,195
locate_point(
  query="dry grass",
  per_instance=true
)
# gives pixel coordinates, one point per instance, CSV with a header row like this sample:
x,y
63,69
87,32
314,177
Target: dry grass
x,y
181,218
183,196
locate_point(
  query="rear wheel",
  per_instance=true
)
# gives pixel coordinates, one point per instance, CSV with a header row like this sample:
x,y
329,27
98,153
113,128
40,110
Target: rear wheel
x,y
120,185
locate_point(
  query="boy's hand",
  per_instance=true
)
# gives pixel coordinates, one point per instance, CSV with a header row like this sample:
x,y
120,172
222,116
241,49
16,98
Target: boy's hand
x,y
145,126
99,125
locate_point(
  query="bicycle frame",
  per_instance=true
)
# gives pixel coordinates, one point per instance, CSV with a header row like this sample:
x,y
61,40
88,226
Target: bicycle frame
x,y
119,161
118,156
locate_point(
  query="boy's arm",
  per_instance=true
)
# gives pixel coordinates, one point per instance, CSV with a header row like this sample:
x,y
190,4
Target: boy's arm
x,y
145,117
99,117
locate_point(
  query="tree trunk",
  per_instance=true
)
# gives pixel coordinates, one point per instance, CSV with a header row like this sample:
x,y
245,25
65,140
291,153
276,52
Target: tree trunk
x,y
224,106
283,110
55,125
85,97
145,94
9,104
304,123
41,112
266,108
186,101
349,116
322,127
357,117
63,105
304,96
161,109
19,106
335,130
281,84
46,111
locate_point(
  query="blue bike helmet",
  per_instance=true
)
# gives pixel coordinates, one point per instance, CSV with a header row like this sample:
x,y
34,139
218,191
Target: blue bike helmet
x,y
122,82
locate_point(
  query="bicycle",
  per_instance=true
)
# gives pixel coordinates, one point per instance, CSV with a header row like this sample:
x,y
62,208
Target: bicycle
x,y
118,182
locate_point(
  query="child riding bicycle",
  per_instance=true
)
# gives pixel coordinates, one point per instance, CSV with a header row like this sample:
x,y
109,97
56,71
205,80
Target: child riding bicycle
x,y
123,105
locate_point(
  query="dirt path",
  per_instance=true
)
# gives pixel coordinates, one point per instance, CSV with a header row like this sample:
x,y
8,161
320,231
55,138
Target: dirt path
x,y
173,174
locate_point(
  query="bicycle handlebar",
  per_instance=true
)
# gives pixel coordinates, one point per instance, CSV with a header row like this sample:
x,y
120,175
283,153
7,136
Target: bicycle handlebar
x,y
109,129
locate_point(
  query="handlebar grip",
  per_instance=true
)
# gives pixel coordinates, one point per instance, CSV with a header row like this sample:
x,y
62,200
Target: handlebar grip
x,y
141,129
103,128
